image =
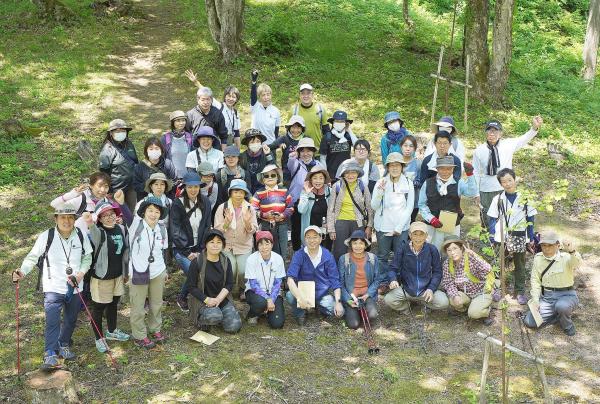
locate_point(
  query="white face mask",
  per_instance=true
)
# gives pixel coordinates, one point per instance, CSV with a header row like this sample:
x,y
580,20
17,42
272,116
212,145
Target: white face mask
x,y
254,147
154,154
394,126
339,126
119,136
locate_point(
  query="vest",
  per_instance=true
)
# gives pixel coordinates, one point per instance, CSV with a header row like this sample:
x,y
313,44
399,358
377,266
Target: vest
x,y
194,304
449,202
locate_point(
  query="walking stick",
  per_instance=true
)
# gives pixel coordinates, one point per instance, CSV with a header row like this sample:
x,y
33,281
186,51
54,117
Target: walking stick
x,y
371,344
18,325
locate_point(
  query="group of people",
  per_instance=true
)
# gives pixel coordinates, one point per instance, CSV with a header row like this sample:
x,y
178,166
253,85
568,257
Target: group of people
x,y
225,216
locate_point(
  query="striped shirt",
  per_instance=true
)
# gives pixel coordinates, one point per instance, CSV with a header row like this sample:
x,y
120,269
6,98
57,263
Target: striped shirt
x,y
273,200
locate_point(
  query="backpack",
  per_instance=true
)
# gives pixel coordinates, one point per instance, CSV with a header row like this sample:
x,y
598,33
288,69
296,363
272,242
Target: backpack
x,y
140,228
319,111
169,140
44,256
369,254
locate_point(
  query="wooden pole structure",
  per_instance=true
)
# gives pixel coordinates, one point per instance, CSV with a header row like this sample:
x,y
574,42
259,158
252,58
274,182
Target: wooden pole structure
x,y
450,59
484,369
466,93
435,89
503,305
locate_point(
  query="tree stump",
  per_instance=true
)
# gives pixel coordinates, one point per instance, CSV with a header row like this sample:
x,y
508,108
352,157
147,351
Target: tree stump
x,y
50,388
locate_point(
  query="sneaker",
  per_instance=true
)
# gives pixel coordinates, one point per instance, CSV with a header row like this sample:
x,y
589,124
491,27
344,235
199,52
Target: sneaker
x,y
300,320
101,345
159,338
117,335
50,361
522,299
252,320
144,343
570,331
65,353
183,304
497,295
489,321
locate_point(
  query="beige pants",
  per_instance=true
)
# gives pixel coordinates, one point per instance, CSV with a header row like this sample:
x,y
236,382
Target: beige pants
x,y
397,300
103,291
238,268
478,307
137,297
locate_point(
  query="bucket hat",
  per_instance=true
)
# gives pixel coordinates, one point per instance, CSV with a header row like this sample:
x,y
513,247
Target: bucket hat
x,y
158,177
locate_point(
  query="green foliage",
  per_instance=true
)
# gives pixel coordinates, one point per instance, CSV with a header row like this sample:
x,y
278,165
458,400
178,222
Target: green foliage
x,y
277,41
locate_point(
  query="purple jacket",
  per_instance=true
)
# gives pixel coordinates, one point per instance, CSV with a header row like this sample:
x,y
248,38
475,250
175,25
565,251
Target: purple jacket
x,y
298,170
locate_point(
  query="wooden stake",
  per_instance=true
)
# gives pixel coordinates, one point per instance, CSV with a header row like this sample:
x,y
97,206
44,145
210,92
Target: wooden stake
x,y
511,348
547,396
484,369
467,86
503,306
450,59
435,89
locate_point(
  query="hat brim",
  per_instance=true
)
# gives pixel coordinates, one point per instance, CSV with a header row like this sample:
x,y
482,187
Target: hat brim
x,y
116,209
323,171
200,184
487,127
385,125
445,165
246,190
355,169
349,240
147,185
330,120
245,140
446,243
142,210
314,149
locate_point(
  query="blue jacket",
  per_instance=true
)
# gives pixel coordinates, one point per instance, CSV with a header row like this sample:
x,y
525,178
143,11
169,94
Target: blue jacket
x,y
416,273
388,147
325,275
348,274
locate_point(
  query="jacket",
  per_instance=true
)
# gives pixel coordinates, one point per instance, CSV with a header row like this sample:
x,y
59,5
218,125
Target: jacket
x,y
362,196
347,269
100,266
326,275
305,205
416,273
426,172
144,169
290,146
253,166
239,240
119,163
181,233
298,171
214,119
393,206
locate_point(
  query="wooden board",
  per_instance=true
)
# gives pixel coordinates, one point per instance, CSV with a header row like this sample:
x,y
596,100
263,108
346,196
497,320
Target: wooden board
x,y
204,337
307,288
448,220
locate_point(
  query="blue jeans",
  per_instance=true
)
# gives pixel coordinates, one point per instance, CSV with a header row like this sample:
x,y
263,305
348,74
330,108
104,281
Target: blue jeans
x,y
387,244
56,332
325,305
185,264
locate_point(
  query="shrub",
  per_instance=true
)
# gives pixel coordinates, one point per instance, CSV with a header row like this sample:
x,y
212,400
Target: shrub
x,y
277,41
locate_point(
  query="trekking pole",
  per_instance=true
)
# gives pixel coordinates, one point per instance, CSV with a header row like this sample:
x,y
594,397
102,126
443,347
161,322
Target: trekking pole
x,y
18,325
76,286
371,344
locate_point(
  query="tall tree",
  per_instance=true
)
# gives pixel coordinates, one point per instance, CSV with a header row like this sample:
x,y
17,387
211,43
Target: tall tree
x,y
226,22
409,23
590,46
476,45
501,48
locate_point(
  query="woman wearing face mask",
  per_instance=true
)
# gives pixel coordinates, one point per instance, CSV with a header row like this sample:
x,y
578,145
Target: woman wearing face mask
x,y
256,157
390,141
312,204
336,146
154,162
295,131
118,159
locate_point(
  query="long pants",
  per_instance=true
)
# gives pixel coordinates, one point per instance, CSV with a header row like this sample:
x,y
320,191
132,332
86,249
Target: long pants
x,y
280,236
59,333
352,315
477,307
325,306
438,237
185,264
137,297
343,230
485,199
386,246
555,307
238,267
226,315
296,228
519,275
108,309
398,300
258,305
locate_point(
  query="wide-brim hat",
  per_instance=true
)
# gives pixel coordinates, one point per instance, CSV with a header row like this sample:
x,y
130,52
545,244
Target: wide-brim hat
x,y
418,226
117,124
66,209
392,116
177,114
351,165
296,119
152,200
453,239
206,168
357,235
444,122
269,168
549,237
447,161
339,116
204,131
102,207
395,157
238,184
251,133
215,232
192,178
306,143
318,169
158,177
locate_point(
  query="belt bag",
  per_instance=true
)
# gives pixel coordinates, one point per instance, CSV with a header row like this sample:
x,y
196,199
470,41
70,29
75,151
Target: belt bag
x,y
516,241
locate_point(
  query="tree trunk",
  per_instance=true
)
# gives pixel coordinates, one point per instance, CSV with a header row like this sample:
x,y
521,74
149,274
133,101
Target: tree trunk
x,y
501,50
53,387
225,22
476,45
409,23
54,9
590,46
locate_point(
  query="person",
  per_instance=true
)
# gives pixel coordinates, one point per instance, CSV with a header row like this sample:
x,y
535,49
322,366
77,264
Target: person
x,y
300,163
336,145
494,155
362,153
348,208
412,168
312,204
230,171
415,273
313,114
552,279
256,157
294,133
236,219
442,193
154,162
147,273
205,114
210,280
390,141
62,249
178,142
211,187
446,124
205,143
109,272
265,116
189,220
392,203
158,185
360,276
518,220
118,159
274,207
231,96
442,141
314,263
265,276
467,280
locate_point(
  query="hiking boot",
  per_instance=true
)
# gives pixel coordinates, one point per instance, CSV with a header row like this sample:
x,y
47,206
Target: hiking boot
x,y
489,321
300,320
570,331
497,295
252,320
159,338
521,299
101,345
50,361
117,335
65,353
144,343
183,304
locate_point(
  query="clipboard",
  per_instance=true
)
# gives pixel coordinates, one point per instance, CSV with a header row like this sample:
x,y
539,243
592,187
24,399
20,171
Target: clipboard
x,y
204,337
535,313
448,220
307,288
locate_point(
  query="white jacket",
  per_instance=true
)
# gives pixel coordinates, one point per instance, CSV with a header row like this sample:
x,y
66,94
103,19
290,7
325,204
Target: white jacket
x,y
393,206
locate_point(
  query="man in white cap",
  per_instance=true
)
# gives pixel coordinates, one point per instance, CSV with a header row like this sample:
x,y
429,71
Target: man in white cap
x,y
552,279
314,114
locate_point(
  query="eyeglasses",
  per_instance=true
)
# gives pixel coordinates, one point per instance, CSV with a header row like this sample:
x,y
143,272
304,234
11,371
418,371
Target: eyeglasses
x,y
360,149
270,176
108,215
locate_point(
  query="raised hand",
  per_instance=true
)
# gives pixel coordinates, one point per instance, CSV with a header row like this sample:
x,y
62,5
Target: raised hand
x,y
266,149
537,122
80,189
228,216
254,75
189,73
119,197
307,187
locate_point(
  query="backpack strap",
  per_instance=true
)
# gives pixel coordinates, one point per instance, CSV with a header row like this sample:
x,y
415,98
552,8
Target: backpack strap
x,y
198,157
168,141
320,113
544,273
83,204
44,257
295,110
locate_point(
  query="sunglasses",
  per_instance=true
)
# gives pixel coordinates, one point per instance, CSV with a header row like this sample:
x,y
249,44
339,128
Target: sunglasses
x,y
270,176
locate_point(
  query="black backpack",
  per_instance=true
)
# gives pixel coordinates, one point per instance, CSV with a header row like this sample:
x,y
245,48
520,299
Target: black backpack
x,y
44,256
